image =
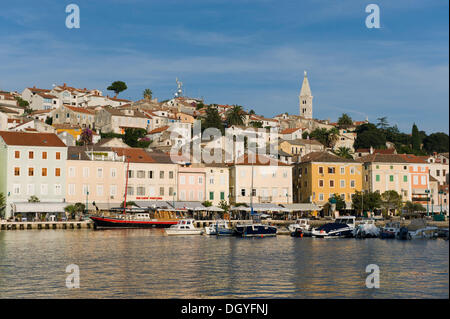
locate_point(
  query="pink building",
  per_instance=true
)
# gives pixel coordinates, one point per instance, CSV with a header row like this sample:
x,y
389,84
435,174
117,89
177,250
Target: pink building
x,y
191,183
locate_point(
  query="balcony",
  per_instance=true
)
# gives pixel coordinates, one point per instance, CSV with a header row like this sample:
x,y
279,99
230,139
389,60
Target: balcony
x,y
265,199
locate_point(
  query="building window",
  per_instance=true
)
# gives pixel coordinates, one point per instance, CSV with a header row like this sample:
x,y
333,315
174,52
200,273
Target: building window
x,y
30,155
30,189
342,183
331,183
44,171
191,180
44,155
342,170
211,195
71,190
405,178
222,195
57,172
170,191
44,189
113,190
321,197
17,154
352,170
99,190
200,180
200,195
170,174
182,180
391,178
415,180
352,183
320,182
331,170
140,174
130,190
253,192
100,172
243,191
86,172
377,178
30,171
161,191
320,170
437,172
140,191
423,180
16,171
150,174
16,189
57,189
58,155
130,174
211,180
113,172
161,174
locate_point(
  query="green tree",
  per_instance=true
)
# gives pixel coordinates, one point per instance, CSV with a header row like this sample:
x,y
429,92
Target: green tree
x,y
367,201
415,139
71,210
117,87
345,121
344,152
235,116
49,120
411,207
33,199
2,205
223,204
256,124
436,142
382,123
305,135
132,136
332,137
22,102
369,138
129,204
207,203
147,94
212,119
340,203
391,200
199,106
320,134
80,207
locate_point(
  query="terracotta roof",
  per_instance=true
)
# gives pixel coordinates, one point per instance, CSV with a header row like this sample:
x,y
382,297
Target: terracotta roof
x,y
410,158
383,158
118,100
47,96
376,151
299,141
290,130
159,130
136,155
36,90
325,157
31,139
257,160
79,109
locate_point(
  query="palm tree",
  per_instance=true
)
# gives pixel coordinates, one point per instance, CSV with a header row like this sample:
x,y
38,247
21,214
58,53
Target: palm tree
x,y
2,204
344,152
235,116
147,94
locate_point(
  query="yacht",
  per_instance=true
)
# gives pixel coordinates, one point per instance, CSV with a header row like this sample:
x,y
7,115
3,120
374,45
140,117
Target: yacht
x,y
255,230
184,227
341,227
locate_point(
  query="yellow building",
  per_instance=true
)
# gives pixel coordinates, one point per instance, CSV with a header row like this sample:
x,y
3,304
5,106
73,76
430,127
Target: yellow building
x,y
320,175
300,147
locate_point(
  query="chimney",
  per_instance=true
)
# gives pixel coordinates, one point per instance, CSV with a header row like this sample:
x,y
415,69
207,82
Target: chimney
x,y
64,85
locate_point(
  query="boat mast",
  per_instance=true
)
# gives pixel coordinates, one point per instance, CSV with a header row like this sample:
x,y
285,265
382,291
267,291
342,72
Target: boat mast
x,y
126,187
251,193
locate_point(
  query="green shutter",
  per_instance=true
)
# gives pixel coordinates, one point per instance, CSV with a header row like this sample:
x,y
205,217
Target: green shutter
x,y
405,178
377,178
391,178
222,195
211,195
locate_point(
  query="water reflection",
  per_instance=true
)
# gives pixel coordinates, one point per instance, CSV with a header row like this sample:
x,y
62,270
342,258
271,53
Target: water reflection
x,y
148,264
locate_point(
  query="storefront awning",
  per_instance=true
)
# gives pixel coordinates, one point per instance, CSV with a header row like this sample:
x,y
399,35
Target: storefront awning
x,y
41,207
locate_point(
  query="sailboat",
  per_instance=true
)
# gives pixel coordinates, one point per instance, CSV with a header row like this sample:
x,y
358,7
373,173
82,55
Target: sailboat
x,y
255,228
139,220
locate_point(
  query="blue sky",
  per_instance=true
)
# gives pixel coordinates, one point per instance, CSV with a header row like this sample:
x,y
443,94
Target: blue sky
x,y
246,52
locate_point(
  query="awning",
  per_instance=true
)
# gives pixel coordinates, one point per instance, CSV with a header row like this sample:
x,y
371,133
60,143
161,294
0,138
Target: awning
x,y
214,209
41,207
188,205
157,204
301,207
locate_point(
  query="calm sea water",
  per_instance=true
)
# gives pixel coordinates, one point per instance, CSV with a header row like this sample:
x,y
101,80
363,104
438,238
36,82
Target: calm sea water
x,y
144,263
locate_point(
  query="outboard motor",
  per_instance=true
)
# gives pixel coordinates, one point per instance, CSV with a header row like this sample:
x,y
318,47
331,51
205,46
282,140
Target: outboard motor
x,y
403,233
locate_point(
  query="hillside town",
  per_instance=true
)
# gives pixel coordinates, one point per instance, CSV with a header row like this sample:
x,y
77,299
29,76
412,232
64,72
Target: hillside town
x,y
65,146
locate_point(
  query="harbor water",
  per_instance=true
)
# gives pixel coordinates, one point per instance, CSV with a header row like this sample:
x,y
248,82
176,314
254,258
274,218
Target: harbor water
x,y
144,263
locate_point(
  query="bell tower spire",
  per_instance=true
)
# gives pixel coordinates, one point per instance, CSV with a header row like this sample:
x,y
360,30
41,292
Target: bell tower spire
x,y
305,99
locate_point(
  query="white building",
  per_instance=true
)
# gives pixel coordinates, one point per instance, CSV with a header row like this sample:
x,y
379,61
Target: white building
x,y
31,164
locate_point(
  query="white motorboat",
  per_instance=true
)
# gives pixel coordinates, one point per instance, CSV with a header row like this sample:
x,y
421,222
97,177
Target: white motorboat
x,y
418,229
184,227
302,224
366,229
341,227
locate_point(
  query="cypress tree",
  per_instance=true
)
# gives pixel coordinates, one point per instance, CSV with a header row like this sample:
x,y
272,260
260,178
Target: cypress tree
x,y
415,139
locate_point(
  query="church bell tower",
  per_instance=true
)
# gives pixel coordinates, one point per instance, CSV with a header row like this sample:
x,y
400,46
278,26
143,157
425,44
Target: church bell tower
x,y
305,99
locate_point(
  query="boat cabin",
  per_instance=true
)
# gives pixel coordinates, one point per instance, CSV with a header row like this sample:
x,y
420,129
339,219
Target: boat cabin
x,y
349,220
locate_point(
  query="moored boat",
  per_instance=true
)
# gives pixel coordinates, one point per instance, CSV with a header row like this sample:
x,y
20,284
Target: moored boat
x,y
366,229
390,230
255,230
303,225
341,227
140,220
184,227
